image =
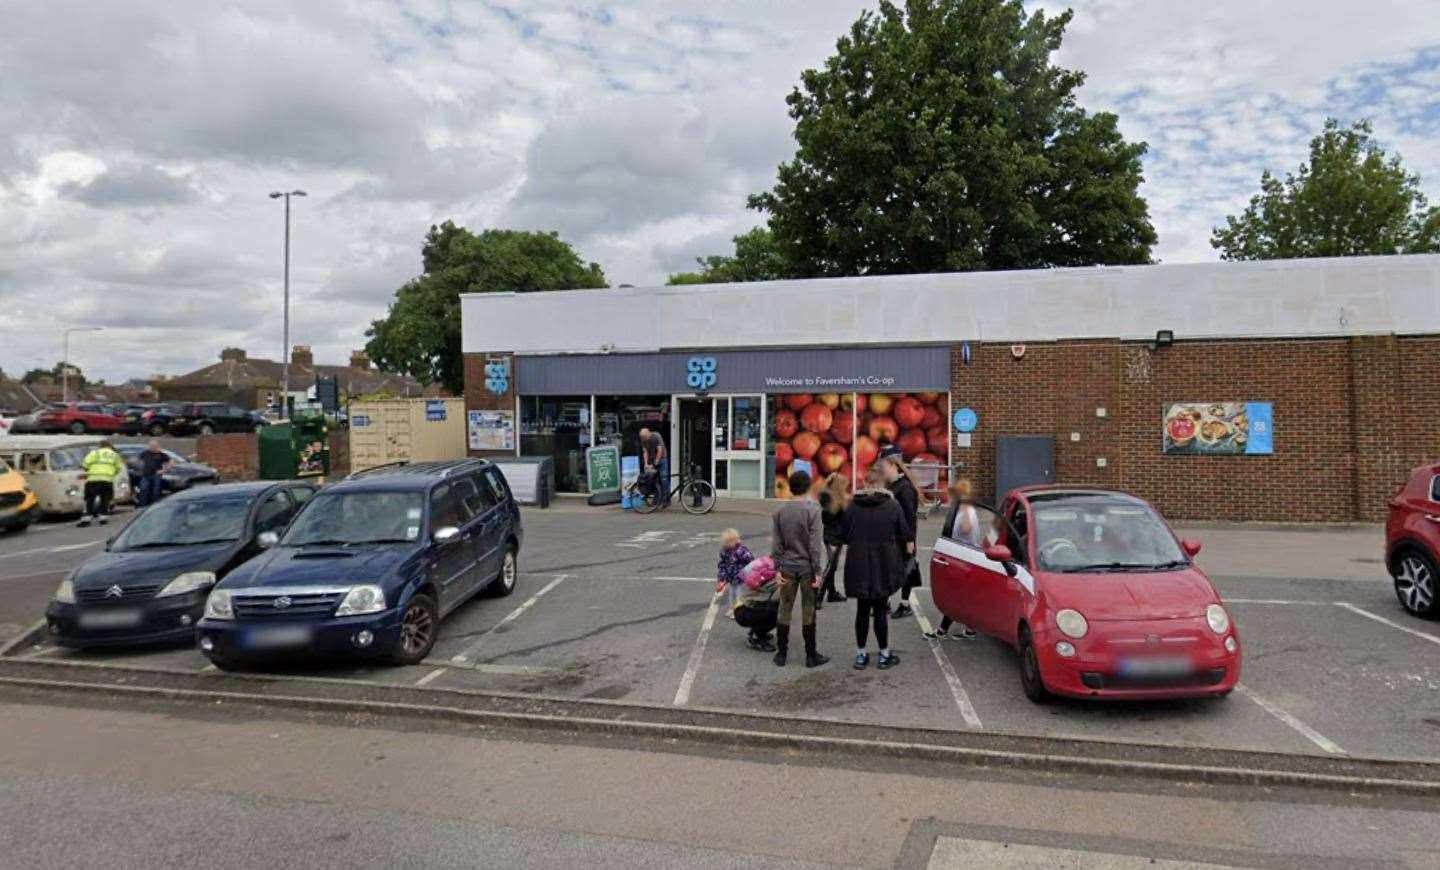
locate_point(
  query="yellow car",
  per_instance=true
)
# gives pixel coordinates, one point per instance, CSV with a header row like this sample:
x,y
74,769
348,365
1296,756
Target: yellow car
x,y
19,506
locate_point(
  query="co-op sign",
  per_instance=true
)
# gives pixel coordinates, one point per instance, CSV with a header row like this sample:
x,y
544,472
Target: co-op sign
x,y
800,370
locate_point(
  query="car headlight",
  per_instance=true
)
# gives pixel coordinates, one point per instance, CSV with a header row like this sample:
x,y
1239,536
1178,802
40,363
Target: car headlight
x,y
190,581
1072,623
218,605
360,600
1217,617
65,592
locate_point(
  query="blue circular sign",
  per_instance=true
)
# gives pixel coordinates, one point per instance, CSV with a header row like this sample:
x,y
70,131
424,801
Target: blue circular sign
x,y
966,420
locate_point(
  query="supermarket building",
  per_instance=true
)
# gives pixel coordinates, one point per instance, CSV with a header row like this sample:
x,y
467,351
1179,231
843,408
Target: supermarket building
x,y
1290,391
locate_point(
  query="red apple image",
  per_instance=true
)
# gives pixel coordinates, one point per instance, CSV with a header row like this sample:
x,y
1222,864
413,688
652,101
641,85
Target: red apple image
x,y
865,451
798,401
831,457
861,402
909,412
785,424
844,428
883,429
847,400
826,437
784,455
935,439
845,472
880,403
817,418
911,443
932,418
782,486
806,445
928,398
829,400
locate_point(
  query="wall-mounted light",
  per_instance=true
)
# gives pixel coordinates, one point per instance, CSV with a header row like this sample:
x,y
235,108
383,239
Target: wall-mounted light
x,y
1163,338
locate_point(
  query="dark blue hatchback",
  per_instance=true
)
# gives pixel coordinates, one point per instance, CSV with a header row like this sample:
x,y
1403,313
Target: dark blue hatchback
x,y
370,567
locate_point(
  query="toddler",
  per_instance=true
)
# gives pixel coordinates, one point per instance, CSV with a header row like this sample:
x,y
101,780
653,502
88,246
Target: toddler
x,y
734,556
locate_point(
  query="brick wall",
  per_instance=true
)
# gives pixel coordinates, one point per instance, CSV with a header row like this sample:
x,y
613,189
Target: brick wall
x,y
477,398
339,453
236,456
1352,416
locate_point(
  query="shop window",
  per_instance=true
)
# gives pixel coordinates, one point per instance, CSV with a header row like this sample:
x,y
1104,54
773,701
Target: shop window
x,y
558,427
619,419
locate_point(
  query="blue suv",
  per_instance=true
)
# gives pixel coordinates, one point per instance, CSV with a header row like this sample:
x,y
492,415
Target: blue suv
x,y
369,567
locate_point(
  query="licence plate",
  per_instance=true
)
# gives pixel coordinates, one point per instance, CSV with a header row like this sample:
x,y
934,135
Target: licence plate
x,y
270,637
125,618
1156,666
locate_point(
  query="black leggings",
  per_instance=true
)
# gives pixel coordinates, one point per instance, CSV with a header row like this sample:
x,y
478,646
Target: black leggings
x,y
912,580
867,609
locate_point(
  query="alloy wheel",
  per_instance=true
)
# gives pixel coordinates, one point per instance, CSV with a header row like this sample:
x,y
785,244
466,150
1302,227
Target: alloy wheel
x,y
1415,584
416,630
507,571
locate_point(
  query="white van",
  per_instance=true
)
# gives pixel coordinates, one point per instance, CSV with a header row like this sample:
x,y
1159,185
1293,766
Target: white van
x,y
51,465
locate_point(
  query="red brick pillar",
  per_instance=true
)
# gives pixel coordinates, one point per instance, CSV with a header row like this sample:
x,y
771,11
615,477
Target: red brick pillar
x,y
478,396
1376,414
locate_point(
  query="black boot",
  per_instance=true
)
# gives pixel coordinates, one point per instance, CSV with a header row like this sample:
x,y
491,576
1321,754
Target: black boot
x,y
782,644
813,659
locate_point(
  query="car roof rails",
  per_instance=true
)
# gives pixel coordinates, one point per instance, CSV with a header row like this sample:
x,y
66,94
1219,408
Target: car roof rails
x,y
464,465
388,466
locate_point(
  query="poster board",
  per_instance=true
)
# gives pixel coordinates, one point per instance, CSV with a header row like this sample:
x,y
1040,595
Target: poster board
x,y
1218,429
491,430
602,468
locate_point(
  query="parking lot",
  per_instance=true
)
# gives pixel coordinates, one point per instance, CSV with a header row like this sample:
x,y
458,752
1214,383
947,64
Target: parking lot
x,y
619,607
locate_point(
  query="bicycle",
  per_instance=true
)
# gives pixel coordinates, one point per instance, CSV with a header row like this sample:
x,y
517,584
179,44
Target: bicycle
x,y
696,494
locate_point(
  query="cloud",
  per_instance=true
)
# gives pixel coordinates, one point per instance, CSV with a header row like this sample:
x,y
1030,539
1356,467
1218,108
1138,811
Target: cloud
x,y
138,141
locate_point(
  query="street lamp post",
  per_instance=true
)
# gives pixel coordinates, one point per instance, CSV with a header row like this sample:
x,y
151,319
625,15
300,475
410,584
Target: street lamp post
x,y
285,358
65,358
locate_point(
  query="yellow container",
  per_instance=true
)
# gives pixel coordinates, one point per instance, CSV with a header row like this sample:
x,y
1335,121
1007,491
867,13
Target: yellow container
x,y
406,430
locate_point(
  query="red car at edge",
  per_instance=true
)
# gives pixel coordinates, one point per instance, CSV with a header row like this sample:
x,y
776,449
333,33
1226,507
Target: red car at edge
x,y
1412,542
78,418
1095,592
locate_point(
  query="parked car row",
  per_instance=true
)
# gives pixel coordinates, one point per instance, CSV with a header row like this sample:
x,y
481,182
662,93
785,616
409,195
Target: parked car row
x,y
182,473
168,418
51,467
259,572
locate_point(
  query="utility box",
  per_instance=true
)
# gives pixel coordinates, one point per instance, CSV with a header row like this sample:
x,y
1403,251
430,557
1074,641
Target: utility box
x,y
406,430
296,448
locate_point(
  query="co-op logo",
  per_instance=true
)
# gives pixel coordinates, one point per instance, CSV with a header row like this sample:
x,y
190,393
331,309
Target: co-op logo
x,y
497,377
700,372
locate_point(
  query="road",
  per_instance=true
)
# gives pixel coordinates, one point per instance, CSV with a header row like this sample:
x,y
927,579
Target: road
x,y
177,785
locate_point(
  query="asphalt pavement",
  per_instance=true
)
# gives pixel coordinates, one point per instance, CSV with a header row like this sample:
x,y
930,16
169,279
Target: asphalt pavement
x,y
617,607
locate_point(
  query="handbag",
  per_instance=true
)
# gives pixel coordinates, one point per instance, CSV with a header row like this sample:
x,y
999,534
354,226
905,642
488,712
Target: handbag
x,y
912,569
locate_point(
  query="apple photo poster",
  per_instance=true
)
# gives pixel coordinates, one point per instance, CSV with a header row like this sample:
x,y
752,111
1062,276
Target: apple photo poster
x,y
841,433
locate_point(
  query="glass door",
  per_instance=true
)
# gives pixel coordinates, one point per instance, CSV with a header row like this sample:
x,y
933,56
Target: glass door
x,y
740,446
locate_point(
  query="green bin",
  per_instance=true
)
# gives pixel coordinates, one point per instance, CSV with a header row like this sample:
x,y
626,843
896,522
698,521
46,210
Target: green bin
x,y
297,448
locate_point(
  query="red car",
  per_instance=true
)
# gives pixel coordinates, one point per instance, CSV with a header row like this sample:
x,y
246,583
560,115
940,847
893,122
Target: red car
x,y
1095,592
78,418
1412,541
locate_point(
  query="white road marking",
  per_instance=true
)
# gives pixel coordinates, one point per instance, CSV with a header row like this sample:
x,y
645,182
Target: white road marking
x,y
36,574
684,579
14,643
697,655
425,680
1383,621
954,853
209,669
65,548
509,618
1275,601
957,689
497,670
1283,715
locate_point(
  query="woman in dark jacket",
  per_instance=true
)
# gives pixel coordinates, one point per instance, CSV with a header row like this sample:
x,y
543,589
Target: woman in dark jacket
x,y
897,478
834,499
874,530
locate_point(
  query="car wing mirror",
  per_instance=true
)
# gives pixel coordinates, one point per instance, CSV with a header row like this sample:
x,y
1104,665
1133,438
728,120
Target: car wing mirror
x,y
446,534
266,540
1191,547
1001,553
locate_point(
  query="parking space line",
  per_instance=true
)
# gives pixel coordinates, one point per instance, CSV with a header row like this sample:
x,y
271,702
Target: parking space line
x,y
1283,715
1276,601
957,689
1383,621
65,548
697,655
509,618
684,579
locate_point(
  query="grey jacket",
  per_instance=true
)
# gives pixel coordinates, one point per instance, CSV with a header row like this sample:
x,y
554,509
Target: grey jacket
x,y
795,539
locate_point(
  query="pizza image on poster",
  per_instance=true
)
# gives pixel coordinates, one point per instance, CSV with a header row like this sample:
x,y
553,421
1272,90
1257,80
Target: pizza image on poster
x,y
1218,428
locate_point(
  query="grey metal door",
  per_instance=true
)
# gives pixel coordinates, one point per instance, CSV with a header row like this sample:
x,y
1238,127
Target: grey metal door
x,y
1023,460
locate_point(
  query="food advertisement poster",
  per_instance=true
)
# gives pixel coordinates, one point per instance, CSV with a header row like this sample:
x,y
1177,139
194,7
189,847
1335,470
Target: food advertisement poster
x,y
842,433
1218,429
491,430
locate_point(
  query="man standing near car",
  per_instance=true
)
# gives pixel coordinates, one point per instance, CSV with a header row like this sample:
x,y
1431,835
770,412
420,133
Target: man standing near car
x,y
654,455
153,464
102,465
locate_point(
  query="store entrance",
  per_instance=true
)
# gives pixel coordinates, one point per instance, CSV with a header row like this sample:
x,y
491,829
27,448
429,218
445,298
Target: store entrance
x,y
692,439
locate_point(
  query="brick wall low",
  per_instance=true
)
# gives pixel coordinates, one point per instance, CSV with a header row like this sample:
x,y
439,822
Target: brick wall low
x,y
339,453
236,456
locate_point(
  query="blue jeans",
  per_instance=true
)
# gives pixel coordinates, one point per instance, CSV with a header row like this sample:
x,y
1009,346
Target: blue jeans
x,y
150,489
662,471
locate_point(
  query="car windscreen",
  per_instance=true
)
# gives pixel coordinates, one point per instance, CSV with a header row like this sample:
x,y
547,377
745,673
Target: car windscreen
x,y
68,458
358,518
184,521
1083,535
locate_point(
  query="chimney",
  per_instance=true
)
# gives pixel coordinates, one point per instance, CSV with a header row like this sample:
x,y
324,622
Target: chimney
x,y
359,359
233,353
301,356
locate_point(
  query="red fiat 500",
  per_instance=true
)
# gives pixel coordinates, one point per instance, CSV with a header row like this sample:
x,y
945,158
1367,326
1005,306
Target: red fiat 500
x,y
1095,592
1412,542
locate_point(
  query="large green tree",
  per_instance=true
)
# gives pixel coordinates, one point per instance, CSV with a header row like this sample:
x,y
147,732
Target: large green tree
x,y
756,258
1350,199
940,137
420,335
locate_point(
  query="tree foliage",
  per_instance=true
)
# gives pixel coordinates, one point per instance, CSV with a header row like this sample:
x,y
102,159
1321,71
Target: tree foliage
x,y
939,137
756,258
420,335
1350,199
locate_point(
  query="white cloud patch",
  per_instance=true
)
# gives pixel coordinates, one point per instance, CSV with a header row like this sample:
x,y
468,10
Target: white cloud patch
x,y
138,141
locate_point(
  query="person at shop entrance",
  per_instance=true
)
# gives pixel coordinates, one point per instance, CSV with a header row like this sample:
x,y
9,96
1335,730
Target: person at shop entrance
x,y
654,457
897,479
795,545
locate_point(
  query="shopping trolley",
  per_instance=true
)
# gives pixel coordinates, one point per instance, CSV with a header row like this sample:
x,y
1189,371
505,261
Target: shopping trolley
x,y
931,489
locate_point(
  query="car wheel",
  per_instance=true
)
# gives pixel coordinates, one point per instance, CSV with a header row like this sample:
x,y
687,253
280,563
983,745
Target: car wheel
x,y
504,582
207,429
77,428
1030,678
1415,580
157,430
417,631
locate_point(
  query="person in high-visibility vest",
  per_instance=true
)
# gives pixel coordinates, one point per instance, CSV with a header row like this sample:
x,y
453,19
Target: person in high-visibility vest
x,y
102,465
